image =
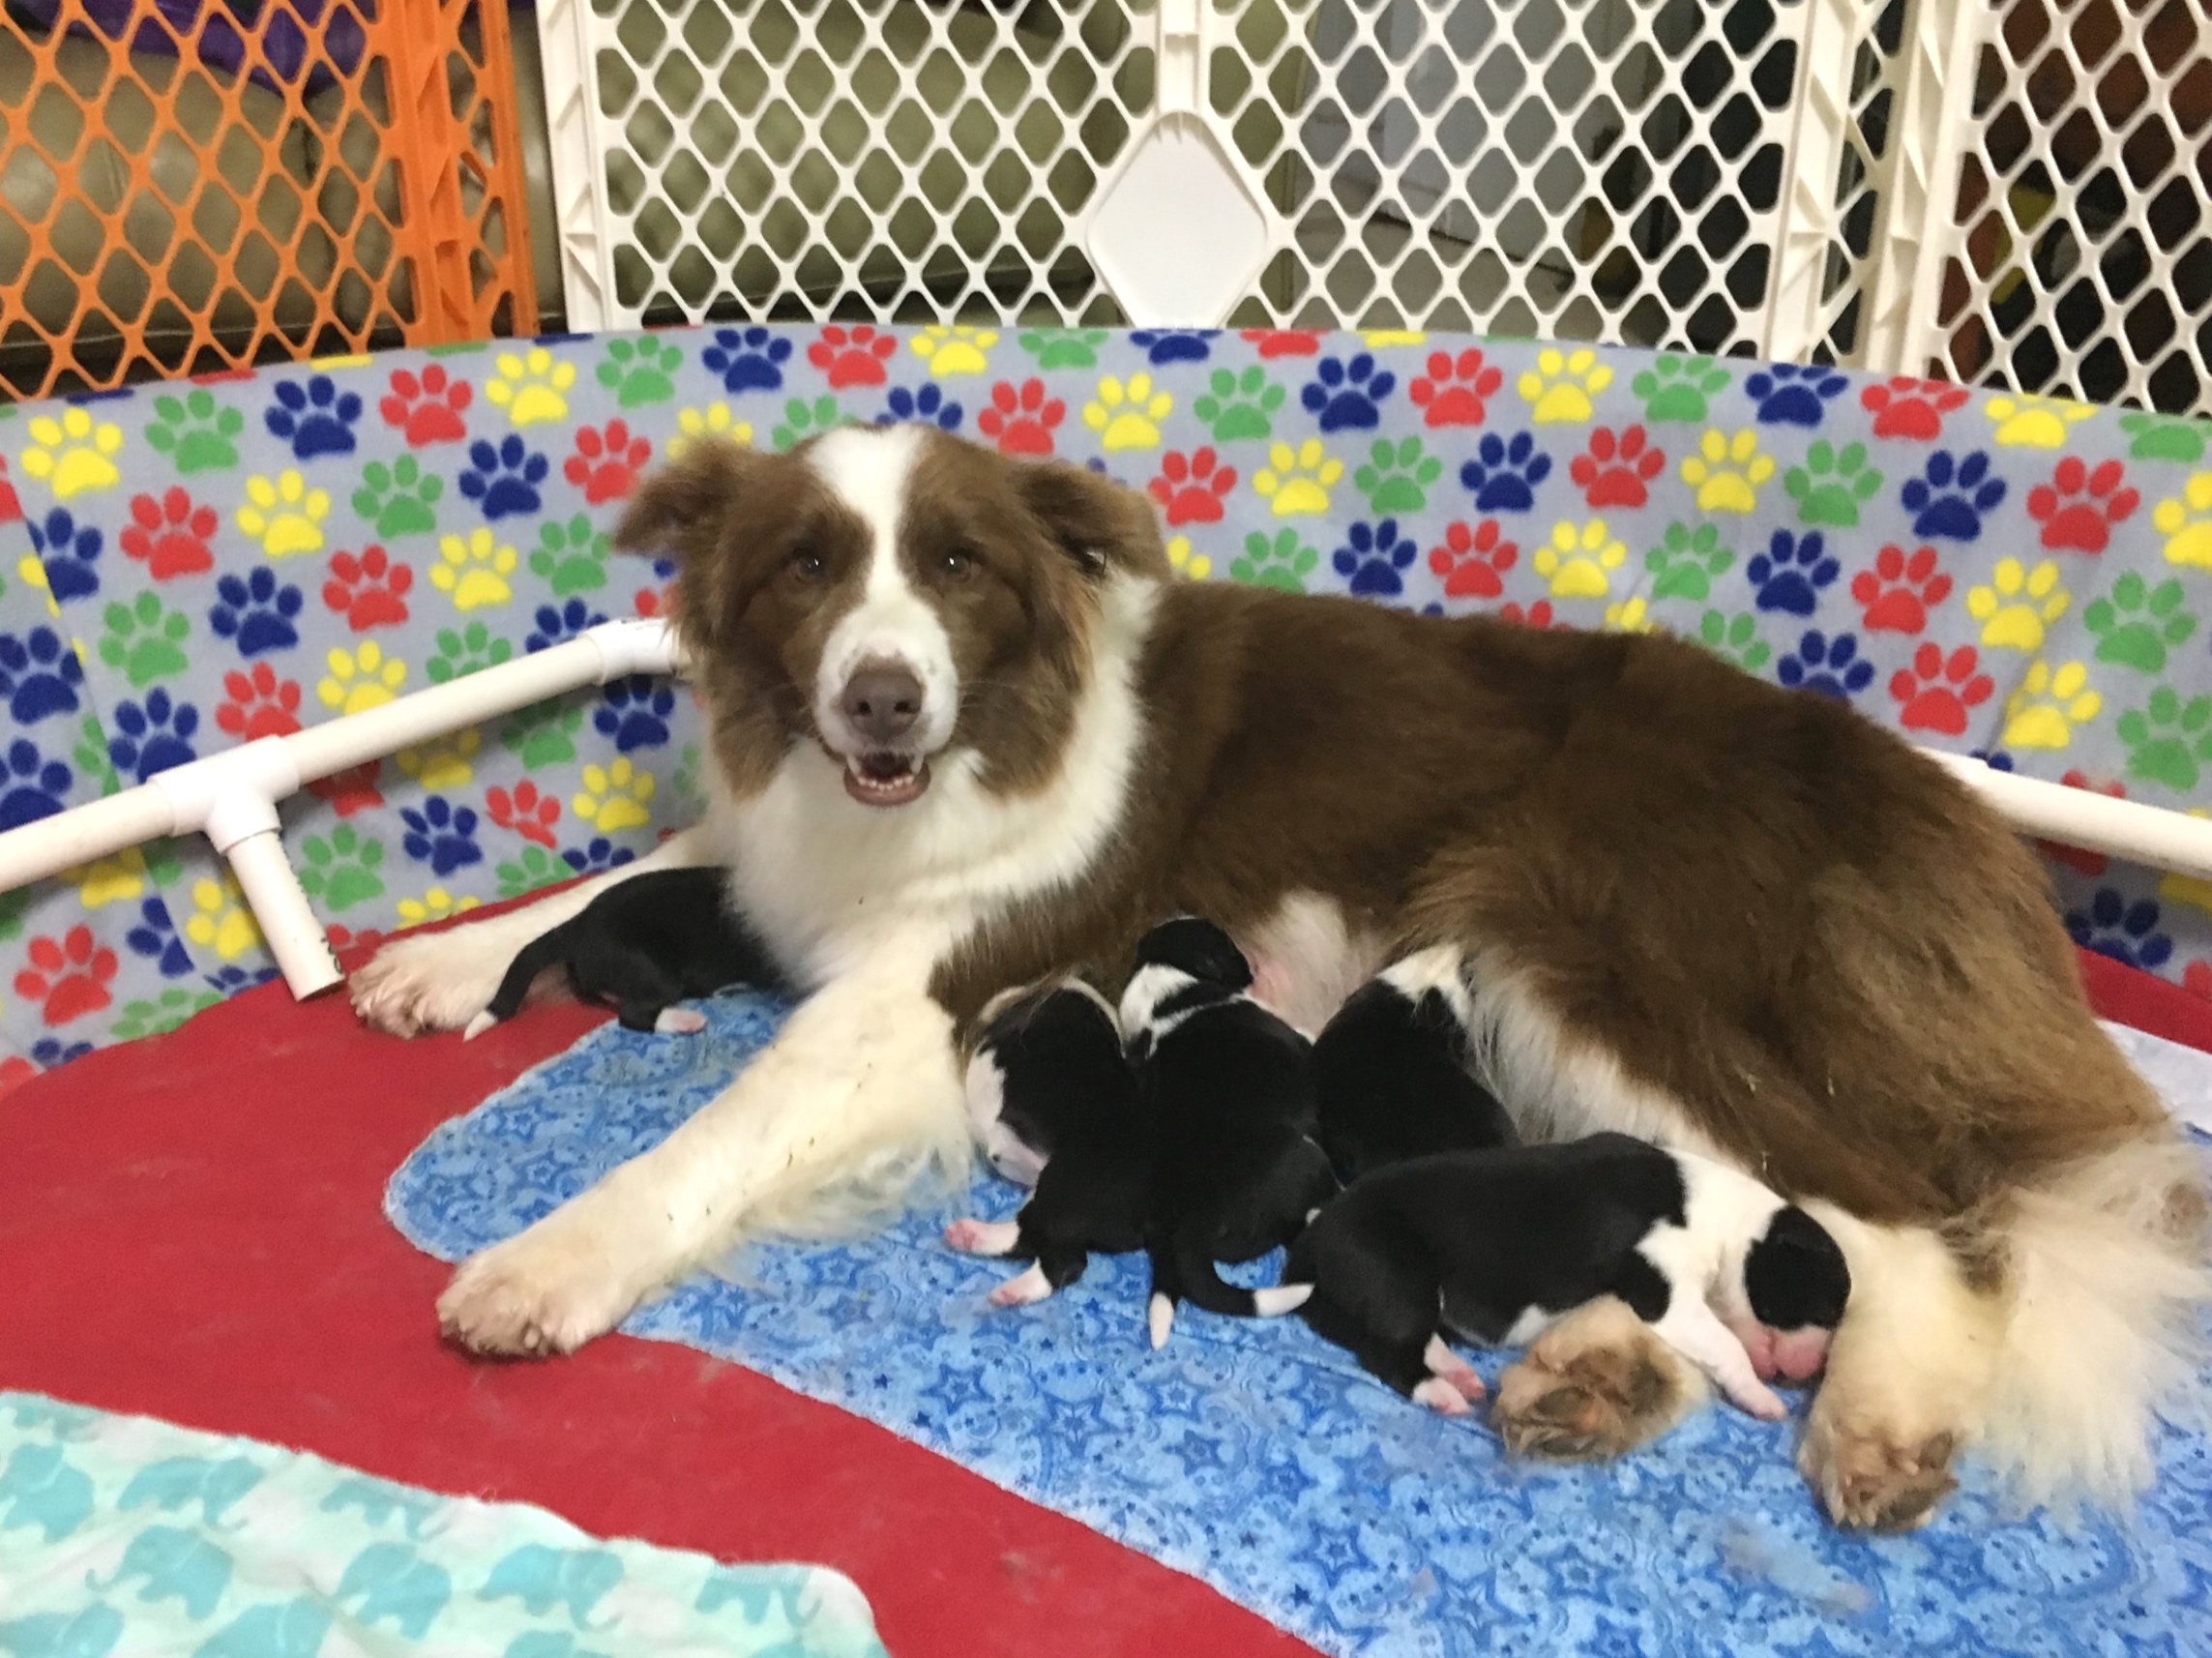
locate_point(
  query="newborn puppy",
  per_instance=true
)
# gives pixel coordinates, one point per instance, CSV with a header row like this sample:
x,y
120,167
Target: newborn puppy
x,y
1230,1087
1392,1068
1054,1106
641,946
1502,1242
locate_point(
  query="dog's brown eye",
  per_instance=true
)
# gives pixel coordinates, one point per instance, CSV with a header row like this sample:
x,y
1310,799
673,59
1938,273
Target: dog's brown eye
x,y
959,564
807,565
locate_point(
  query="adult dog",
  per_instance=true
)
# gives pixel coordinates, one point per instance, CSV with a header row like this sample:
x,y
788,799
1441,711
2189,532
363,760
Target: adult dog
x,y
970,733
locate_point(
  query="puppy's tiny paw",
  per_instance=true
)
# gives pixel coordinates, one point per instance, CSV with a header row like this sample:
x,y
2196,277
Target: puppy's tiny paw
x,y
1441,1397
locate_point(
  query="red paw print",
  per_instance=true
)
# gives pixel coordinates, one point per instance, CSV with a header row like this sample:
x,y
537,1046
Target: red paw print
x,y
1905,407
351,791
2080,857
1285,342
2079,506
259,706
2197,979
649,602
370,591
427,409
526,812
15,1071
606,461
1899,592
1537,616
1021,420
1455,390
345,941
852,356
67,976
1190,488
1937,690
170,536
1614,472
1473,562
10,509
222,377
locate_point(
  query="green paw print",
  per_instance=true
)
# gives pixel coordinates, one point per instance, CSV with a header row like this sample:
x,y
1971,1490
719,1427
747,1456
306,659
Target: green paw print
x,y
1677,388
141,641
1063,348
399,499
535,868
1733,640
91,756
2167,438
13,904
2139,623
170,1009
1686,562
542,737
1396,477
1235,406
194,434
639,372
686,780
341,870
2169,740
1281,562
1831,484
464,650
802,418
570,556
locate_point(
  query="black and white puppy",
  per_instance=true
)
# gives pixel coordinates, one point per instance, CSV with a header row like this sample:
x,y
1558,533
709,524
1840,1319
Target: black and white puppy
x,y
641,947
1054,1104
1394,1071
1495,1245
1230,1086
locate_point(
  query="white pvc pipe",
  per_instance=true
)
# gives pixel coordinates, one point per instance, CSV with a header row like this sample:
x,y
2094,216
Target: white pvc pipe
x,y
2124,829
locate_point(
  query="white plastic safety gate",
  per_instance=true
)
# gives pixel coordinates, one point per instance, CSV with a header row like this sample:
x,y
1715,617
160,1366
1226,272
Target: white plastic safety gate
x,y
2007,190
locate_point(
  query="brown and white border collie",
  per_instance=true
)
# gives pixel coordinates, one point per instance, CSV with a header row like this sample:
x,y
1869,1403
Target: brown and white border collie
x,y
970,734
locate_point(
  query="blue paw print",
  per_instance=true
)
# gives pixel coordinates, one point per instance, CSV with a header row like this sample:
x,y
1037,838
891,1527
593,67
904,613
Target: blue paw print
x,y
50,1050
229,978
503,479
1162,346
2128,933
1832,666
600,853
1372,559
748,358
255,611
1950,498
1789,395
635,712
1790,572
71,552
153,738
1997,759
1503,475
155,937
555,624
315,419
1344,394
32,786
39,675
926,404
441,835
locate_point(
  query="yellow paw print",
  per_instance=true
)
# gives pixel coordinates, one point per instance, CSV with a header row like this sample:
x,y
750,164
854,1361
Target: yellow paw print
x,y
110,881
30,571
1376,338
360,678
950,351
2189,889
1561,385
2044,711
434,904
2016,603
2186,522
713,421
284,515
1629,616
532,388
441,764
1194,565
1298,481
73,455
2027,422
220,920
614,796
473,573
1577,564
1126,416
1726,471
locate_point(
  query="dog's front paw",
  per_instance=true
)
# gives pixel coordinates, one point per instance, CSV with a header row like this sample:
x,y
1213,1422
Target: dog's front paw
x,y
1874,1476
1596,1384
531,1297
438,981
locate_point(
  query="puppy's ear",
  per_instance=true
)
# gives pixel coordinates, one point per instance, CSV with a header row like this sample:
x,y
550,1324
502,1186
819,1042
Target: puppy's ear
x,y
1105,526
685,512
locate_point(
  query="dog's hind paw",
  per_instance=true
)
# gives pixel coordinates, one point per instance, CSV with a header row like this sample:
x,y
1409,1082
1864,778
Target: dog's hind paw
x,y
1873,1481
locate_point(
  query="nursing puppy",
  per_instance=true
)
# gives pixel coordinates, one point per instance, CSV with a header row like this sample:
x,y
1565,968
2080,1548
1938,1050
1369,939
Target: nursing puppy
x,y
1055,1106
1393,1070
1496,1245
1230,1086
641,947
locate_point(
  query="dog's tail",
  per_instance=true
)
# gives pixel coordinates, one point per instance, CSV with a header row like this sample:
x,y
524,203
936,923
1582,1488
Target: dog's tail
x,y
1183,1270
534,958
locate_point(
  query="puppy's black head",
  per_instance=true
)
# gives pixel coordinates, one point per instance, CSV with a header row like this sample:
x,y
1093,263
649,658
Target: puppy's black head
x,y
1198,948
1796,1274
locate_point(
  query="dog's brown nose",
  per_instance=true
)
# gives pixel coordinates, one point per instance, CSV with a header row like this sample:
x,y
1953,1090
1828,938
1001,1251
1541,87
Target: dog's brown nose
x,y
882,700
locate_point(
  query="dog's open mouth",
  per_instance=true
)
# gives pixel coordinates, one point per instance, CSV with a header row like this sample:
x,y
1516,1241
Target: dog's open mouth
x,y
886,779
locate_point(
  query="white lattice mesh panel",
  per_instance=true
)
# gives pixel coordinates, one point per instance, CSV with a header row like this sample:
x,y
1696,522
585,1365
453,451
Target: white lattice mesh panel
x,y
1873,45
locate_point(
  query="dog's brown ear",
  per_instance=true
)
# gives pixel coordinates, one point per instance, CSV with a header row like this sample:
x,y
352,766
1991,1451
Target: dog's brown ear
x,y
682,511
1104,527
